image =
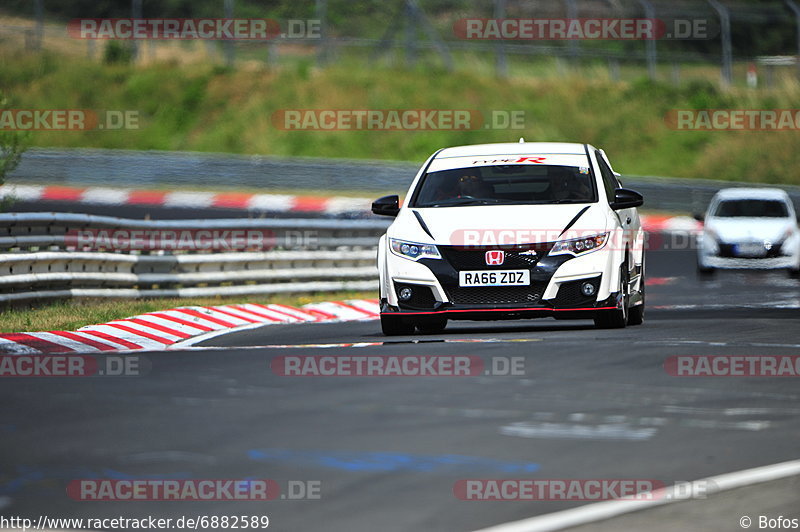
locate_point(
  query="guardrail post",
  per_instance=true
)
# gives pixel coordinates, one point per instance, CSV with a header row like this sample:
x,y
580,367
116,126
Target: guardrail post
x,y
411,34
39,11
501,65
136,13
650,44
228,44
572,44
321,14
796,9
727,50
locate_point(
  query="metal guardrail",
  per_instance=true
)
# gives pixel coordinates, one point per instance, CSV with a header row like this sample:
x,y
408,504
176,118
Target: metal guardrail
x,y
689,195
123,168
41,258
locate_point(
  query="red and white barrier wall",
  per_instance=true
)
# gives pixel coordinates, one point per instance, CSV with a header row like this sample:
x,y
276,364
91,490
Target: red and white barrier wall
x,y
257,202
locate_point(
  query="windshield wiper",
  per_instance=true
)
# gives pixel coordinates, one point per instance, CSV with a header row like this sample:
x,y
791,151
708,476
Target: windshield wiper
x,y
461,201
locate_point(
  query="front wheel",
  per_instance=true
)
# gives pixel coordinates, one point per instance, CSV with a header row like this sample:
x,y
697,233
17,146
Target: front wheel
x,y
395,326
636,315
703,270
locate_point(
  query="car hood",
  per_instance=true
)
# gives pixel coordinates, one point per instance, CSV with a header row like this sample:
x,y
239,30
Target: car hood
x,y
488,225
750,229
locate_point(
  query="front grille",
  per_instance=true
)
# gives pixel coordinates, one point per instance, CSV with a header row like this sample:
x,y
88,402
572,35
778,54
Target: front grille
x,y
421,296
569,294
475,259
496,295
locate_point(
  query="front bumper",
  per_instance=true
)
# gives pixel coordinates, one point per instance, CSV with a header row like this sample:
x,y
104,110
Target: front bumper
x,y
504,313
554,290
738,263
781,255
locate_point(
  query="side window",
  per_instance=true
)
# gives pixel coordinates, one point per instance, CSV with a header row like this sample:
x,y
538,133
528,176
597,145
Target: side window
x,y
609,179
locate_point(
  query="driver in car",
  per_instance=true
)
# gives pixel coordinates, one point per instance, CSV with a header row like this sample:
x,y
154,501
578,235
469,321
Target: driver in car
x,y
565,185
471,184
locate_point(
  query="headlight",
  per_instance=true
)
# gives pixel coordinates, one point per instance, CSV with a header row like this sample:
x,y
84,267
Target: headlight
x,y
577,246
413,251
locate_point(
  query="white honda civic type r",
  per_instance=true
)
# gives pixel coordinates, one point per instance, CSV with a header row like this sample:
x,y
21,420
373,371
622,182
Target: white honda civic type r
x,y
512,231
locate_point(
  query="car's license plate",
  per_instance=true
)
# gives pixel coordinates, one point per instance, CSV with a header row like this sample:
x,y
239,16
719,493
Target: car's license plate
x,y
750,250
494,278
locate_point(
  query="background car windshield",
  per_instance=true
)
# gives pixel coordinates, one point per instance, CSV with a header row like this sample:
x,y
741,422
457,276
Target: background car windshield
x,y
506,184
751,208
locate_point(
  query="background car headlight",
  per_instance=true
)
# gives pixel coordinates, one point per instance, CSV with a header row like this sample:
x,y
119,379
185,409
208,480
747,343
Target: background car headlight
x,y
413,250
577,246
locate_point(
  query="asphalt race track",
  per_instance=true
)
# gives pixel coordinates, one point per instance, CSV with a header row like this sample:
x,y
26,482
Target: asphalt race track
x,y
387,451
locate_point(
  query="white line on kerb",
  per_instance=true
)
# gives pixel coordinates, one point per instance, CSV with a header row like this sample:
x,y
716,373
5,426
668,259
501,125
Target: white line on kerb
x,y
607,509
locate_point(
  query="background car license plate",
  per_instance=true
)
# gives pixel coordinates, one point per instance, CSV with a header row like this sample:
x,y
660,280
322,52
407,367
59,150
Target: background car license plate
x,y
494,278
750,250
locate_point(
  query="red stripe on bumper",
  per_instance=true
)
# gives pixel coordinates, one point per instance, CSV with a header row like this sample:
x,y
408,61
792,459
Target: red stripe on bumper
x,y
451,311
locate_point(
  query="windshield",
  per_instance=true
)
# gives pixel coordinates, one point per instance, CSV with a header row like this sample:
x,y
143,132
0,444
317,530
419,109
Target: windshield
x,y
751,208
507,184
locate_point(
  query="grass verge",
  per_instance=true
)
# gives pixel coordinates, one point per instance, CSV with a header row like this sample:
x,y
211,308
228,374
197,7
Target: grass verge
x,y
212,109
73,314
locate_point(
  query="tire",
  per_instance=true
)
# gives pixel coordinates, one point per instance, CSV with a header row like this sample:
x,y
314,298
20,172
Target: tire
x,y
636,314
432,326
617,318
704,271
395,326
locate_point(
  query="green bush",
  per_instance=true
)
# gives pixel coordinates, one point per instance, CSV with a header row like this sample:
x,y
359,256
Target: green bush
x,y
117,52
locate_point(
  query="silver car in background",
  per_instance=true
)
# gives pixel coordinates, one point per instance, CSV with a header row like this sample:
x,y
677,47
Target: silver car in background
x,y
753,228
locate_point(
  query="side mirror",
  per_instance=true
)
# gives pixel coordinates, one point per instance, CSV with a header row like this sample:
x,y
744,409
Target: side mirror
x,y
699,217
625,199
386,206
